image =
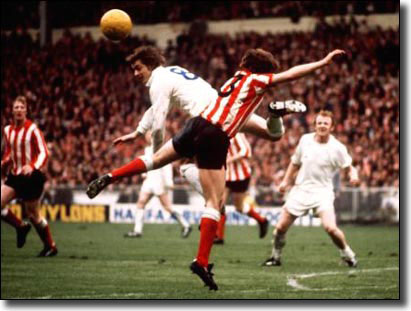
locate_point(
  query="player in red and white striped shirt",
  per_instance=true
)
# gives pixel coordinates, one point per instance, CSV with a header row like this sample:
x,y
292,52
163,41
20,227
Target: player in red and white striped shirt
x,y
238,174
206,138
25,155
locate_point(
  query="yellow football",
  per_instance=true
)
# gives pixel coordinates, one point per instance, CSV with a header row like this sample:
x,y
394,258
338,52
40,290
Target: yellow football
x,y
116,24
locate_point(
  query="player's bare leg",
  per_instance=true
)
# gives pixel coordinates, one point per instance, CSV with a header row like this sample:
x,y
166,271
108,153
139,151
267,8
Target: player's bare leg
x,y
330,226
213,185
284,223
22,227
137,232
140,165
166,203
42,227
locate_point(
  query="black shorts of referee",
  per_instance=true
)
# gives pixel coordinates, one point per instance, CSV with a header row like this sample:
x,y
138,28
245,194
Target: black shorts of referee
x,y
204,140
239,186
27,188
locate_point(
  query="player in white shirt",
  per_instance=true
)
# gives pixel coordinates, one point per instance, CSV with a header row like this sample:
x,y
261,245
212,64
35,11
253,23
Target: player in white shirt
x,y
317,158
157,183
207,137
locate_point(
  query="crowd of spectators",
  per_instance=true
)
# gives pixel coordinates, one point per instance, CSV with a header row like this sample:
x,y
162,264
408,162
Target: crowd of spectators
x,y
88,13
82,95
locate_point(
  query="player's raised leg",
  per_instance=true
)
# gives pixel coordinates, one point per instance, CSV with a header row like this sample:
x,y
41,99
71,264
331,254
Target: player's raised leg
x,y
140,165
272,128
330,226
285,222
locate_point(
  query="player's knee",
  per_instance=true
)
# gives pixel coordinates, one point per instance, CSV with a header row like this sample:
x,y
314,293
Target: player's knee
x,y
331,229
280,228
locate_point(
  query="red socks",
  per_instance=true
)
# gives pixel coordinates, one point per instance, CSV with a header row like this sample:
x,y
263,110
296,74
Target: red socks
x,y
11,219
221,227
208,229
253,214
44,233
134,167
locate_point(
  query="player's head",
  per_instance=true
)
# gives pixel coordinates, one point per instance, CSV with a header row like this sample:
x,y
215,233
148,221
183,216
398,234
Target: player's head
x,y
144,60
259,61
19,109
324,123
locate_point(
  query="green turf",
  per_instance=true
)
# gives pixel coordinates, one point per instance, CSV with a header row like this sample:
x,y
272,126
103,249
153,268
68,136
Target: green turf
x,y
96,262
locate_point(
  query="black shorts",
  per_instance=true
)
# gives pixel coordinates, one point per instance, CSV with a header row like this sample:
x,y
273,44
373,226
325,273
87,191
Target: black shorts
x,y
203,140
27,188
238,186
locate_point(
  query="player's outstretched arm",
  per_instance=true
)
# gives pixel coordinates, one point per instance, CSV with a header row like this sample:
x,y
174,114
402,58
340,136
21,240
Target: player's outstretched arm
x,y
127,138
302,70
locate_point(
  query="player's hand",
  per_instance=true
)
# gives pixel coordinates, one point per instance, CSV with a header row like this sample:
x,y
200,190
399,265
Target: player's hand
x,y
328,59
27,170
282,188
125,138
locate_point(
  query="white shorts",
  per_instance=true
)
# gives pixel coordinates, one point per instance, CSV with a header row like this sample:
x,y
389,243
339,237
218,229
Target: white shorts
x,y
154,187
300,202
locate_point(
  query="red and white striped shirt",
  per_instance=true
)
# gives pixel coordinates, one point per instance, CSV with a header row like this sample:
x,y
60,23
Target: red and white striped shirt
x,y
239,97
239,169
25,145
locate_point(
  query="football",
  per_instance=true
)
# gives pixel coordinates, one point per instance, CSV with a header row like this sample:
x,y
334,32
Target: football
x,y
116,25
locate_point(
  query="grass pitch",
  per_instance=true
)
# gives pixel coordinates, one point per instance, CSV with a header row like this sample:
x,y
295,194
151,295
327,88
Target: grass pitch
x,y
96,262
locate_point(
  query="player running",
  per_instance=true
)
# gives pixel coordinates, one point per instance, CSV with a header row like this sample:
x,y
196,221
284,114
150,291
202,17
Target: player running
x,y
317,157
207,138
26,152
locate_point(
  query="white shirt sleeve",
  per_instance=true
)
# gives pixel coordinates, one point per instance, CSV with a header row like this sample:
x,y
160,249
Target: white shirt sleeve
x,y
146,121
160,93
343,158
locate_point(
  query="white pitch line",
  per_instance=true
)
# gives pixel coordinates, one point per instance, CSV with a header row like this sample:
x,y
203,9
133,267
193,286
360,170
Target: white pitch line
x,y
128,295
292,280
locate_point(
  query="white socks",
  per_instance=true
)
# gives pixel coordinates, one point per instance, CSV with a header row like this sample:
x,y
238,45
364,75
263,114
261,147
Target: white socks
x,y
180,218
347,252
278,244
211,213
191,173
139,221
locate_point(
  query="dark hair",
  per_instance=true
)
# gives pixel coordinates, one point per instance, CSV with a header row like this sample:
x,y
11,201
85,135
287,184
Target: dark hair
x,y
148,55
259,61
